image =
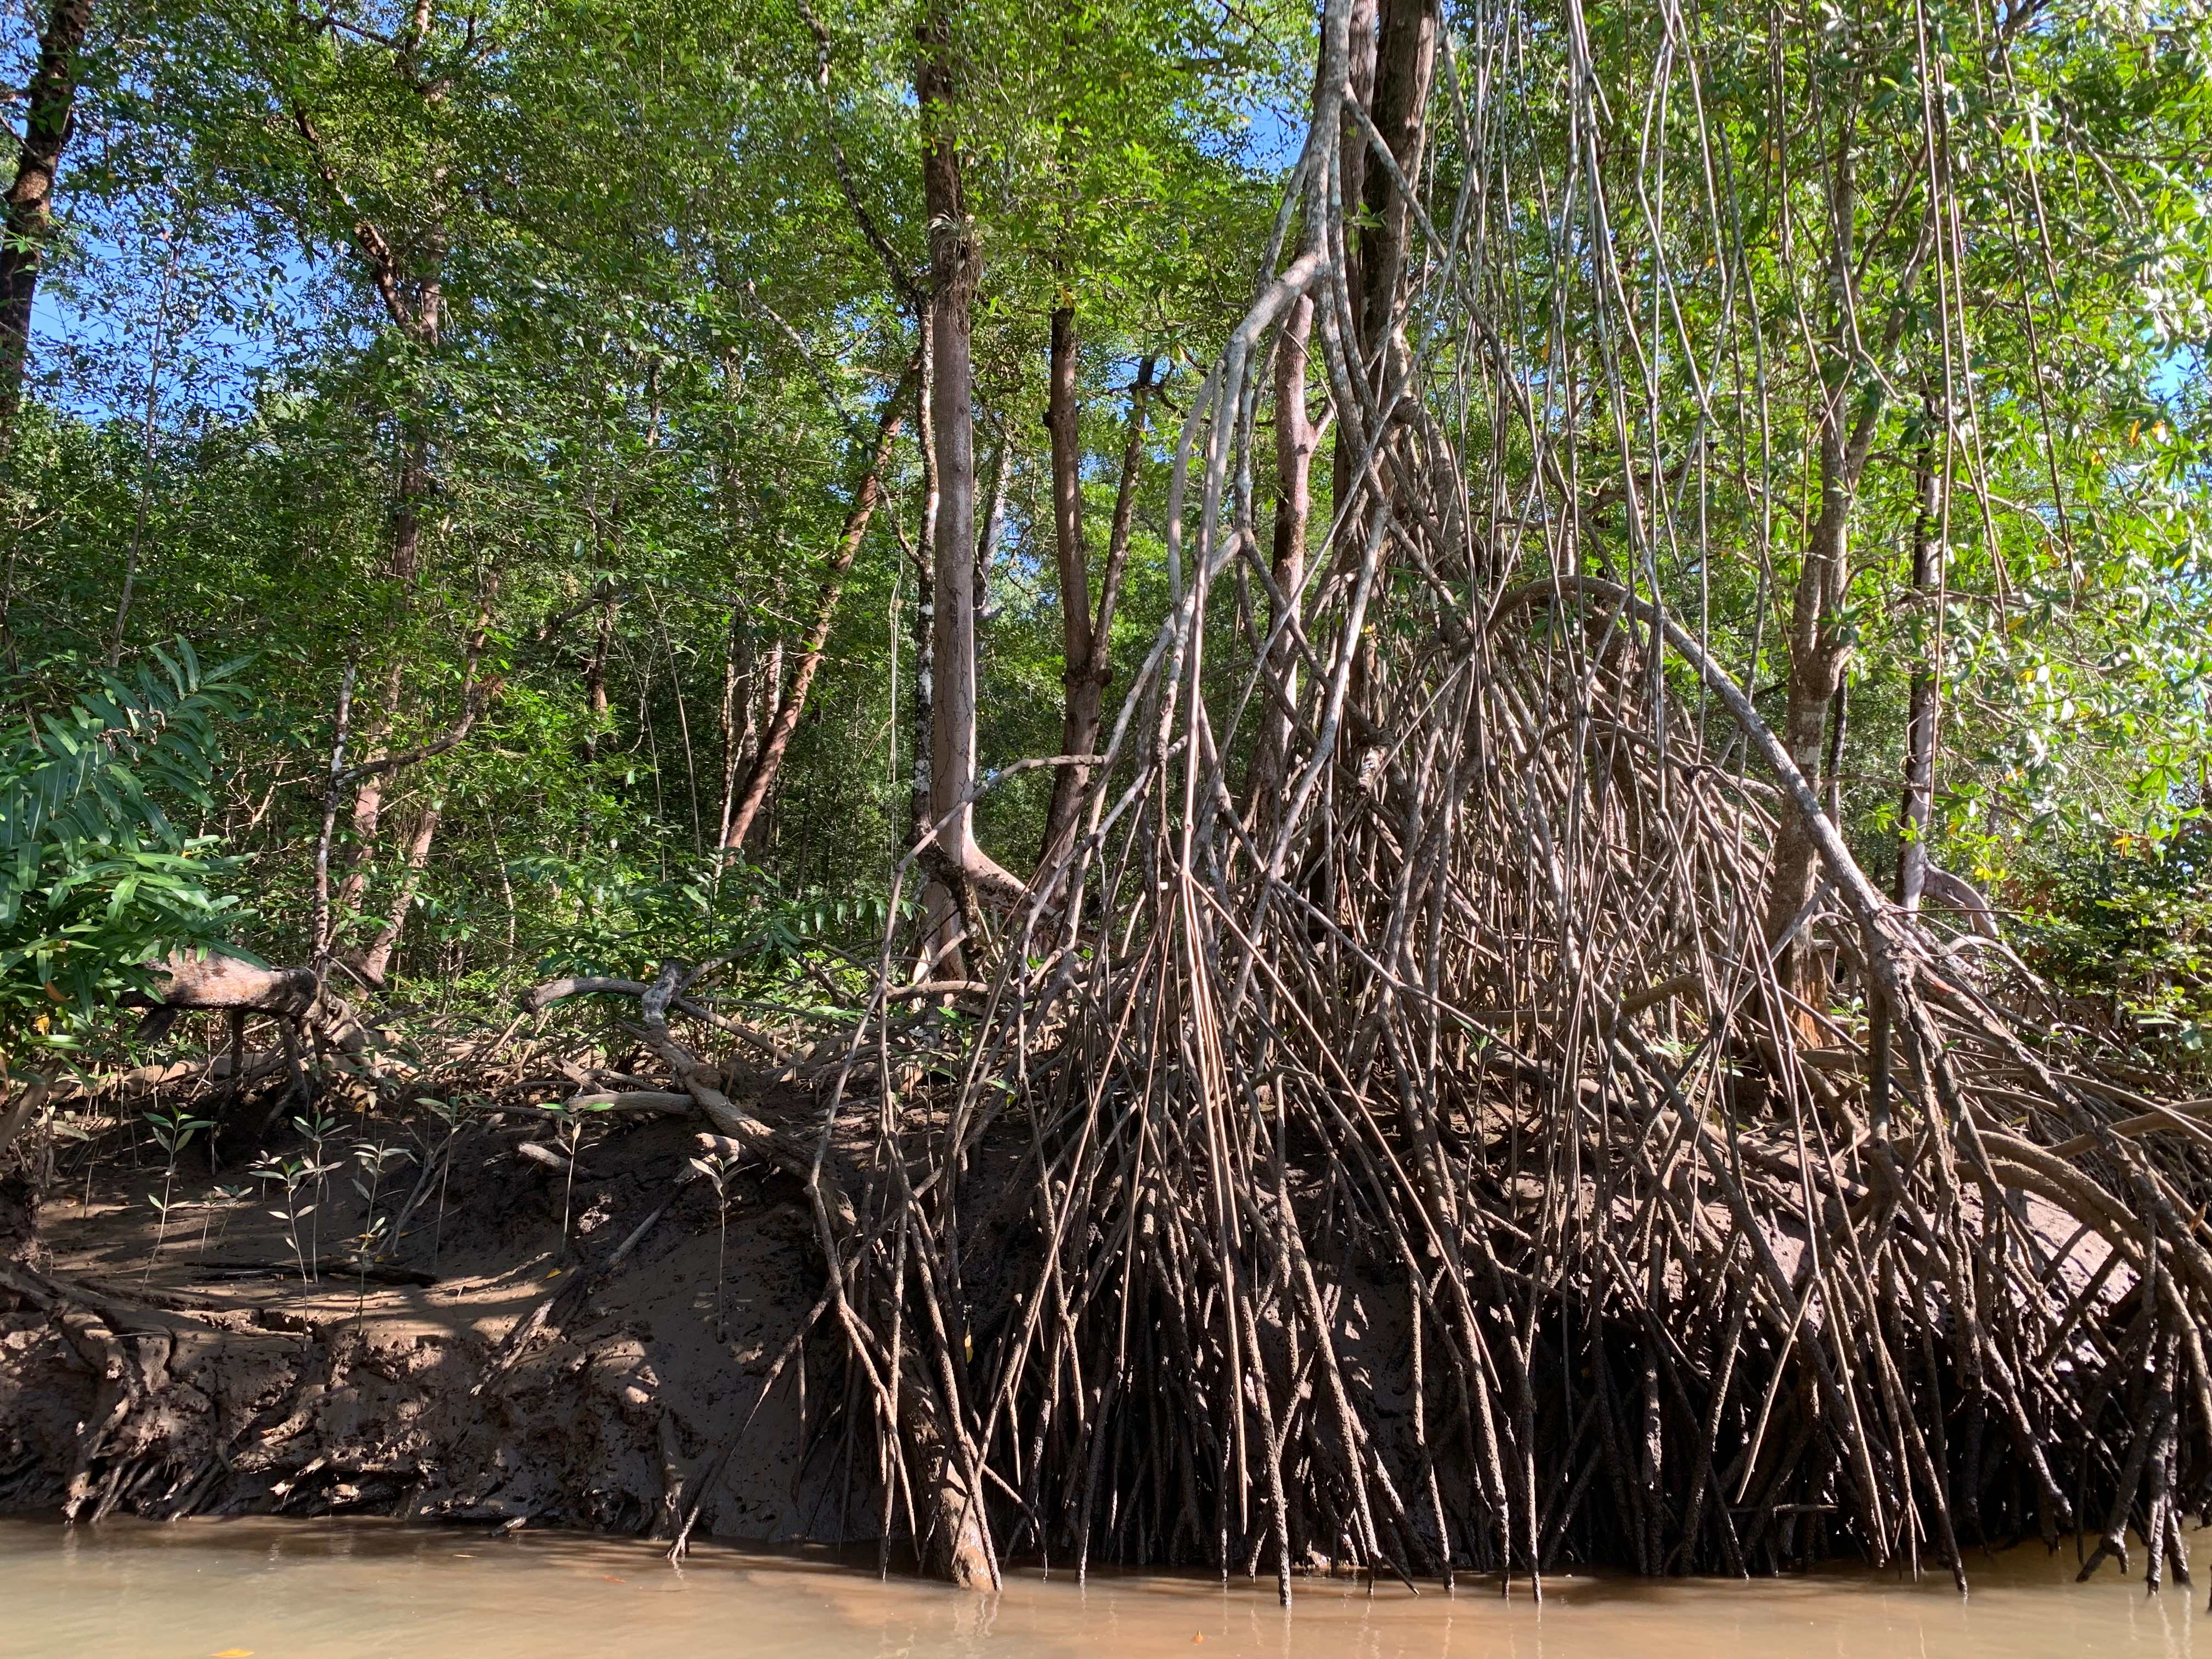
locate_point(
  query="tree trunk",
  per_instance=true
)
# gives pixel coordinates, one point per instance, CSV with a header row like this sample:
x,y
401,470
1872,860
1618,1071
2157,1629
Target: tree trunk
x,y
369,798
955,266
1295,438
994,528
48,102
939,938
404,559
951,1518
1818,647
1818,651
1917,808
761,777
1393,51
1087,641
368,805
595,673
954,1547
376,960
1353,183
1404,69
422,323
737,740
1079,723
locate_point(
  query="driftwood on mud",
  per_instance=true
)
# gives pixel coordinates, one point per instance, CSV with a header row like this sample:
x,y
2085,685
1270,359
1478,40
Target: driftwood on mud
x,y
216,981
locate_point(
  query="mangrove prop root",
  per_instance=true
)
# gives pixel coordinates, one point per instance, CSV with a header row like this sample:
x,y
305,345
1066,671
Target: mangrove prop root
x,y
1432,1159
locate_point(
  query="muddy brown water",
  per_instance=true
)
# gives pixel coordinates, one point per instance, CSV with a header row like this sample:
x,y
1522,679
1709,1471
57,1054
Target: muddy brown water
x,y
281,1590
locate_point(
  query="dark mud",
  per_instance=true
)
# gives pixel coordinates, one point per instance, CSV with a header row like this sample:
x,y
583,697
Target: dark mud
x,y
529,1384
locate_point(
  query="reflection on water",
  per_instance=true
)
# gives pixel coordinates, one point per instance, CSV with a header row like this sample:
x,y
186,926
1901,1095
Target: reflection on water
x,y
279,1590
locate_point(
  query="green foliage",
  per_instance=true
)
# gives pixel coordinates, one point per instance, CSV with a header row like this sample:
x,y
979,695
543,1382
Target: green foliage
x,y
667,243
615,918
2126,930
97,880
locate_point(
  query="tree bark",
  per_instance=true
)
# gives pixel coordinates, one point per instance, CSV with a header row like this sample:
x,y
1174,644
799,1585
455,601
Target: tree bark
x,y
1079,723
1917,808
1393,67
413,295
371,775
49,102
1819,648
1404,70
404,559
1086,640
1351,166
368,805
939,939
595,672
738,740
994,528
1295,439
761,777
955,266
376,960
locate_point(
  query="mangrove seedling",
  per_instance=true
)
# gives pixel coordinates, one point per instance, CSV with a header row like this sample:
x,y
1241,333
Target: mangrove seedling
x,y
573,1119
716,1169
316,1126
373,1158
173,1129
451,1114
293,1175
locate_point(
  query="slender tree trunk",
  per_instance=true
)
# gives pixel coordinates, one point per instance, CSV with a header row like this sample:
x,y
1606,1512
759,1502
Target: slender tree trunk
x,y
410,284
939,937
1078,724
404,559
1352,182
1087,641
761,777
320,924
1818,651
738,741
994,527
403,563
1117,532
1819,648
1917,808
954,270
368,803
770,676
924,713
368,800
423,322
1296,436
595,672
376,960
954,266
1404,70
49,102
1394,48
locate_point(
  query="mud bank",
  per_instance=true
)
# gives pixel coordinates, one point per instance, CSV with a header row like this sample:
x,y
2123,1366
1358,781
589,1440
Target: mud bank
x,y
529,1379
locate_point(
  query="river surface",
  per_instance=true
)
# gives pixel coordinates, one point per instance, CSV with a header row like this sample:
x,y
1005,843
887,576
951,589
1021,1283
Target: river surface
x,y
363,1590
